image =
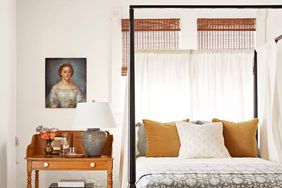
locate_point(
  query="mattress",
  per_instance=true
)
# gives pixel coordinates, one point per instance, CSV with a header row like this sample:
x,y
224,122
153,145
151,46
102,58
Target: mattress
x,y
227,172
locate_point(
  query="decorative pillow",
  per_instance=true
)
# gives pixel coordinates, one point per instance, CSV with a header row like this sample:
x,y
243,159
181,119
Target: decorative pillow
x,y
141,140
201,141
162,139
240,138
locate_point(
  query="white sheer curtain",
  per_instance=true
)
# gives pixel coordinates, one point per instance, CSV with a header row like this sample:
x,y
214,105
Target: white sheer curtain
x,y
172,85
124,152
163,85
223,85
269,95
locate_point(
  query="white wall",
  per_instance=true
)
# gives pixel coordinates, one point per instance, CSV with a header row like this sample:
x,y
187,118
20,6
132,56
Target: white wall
x,y
64,28
80,28
8,93
274,25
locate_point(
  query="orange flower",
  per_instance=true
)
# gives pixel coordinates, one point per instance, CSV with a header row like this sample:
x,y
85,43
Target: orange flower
x,y
47,135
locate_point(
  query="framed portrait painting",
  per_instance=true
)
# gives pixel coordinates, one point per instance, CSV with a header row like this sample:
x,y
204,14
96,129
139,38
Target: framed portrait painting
x,y
65,82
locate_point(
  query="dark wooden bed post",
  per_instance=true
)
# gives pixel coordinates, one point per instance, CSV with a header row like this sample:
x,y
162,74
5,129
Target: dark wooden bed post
x,y
278,38
132,154
255,71
255,86
132,157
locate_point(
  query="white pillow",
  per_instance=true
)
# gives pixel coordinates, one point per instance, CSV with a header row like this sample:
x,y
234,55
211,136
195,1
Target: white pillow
x,y
201,141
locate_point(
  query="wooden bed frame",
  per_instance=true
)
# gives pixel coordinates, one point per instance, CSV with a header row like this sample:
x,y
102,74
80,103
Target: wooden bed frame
x,y
132,154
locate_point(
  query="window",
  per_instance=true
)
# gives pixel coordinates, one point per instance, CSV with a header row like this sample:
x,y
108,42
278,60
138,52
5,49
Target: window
x,y
150,34
226,33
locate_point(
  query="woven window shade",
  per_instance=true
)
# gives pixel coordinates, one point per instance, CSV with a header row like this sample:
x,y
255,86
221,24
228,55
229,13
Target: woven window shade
x,y
150,34
226,33
152,24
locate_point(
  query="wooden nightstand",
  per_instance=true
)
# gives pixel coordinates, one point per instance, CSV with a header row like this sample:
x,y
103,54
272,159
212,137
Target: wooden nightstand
x,y
37,161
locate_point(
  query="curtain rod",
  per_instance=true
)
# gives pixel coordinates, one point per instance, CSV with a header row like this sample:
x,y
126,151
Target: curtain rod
x,y
208,6
278,38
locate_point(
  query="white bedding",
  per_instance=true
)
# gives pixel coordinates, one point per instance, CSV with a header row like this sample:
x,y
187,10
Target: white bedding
x,y
152,161
230,172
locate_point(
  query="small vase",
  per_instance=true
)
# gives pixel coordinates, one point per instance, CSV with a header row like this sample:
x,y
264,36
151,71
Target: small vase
x,y
48,147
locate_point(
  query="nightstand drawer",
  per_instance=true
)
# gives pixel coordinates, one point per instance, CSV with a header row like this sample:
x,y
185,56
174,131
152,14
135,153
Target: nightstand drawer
x,y
69,165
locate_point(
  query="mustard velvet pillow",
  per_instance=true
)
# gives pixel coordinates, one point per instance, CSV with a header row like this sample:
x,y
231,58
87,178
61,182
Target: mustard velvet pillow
x,y
162,139
240,138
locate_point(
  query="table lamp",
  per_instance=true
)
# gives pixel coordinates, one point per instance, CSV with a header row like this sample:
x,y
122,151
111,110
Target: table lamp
x,y
93,116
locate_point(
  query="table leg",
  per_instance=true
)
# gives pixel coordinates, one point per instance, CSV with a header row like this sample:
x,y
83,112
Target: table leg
x,y
28,178
109,179
36,179
29,171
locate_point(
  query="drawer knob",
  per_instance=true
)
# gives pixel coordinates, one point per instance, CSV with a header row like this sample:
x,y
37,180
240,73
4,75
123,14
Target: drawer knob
x,y
92,165
45,164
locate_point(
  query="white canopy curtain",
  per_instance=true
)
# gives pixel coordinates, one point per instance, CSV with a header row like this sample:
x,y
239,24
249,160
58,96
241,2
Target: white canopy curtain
x,y
175,85
269,95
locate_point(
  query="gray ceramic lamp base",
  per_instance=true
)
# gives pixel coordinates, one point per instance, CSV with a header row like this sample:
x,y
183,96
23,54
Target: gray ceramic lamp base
x,y
93,141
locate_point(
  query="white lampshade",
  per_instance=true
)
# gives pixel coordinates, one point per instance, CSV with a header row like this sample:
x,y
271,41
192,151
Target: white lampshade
x,y
93,115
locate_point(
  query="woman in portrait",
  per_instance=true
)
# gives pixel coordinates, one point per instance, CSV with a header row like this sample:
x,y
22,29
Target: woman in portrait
x,y
65,94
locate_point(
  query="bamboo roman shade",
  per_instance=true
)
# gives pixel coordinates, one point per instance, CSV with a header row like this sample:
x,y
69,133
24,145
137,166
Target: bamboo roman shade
x,y
152,24
150,34
226,33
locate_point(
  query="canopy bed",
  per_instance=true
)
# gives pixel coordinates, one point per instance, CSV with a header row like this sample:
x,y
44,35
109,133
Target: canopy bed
x,y
233,172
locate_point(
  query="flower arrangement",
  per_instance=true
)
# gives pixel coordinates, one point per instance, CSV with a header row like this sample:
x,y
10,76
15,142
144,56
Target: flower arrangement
x,y
46,133
49,135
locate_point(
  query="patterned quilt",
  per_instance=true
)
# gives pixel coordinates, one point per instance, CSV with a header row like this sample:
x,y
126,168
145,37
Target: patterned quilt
x,y
205,173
